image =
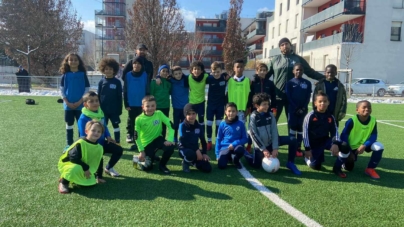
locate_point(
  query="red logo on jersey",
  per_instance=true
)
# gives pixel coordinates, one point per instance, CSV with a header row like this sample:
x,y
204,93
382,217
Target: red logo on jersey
x,y
329,120
314,119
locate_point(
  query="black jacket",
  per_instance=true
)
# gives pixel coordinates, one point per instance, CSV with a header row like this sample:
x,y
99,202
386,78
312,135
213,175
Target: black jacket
x,y
260,85
189,136
110,95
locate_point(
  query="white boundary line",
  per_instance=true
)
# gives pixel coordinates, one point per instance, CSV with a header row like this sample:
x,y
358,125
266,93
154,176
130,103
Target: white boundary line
x,y
289,209
384,122
5,101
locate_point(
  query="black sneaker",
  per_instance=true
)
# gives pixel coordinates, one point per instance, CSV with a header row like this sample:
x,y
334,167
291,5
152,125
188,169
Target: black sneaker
x,y
237,163
164,169
129,138
185,167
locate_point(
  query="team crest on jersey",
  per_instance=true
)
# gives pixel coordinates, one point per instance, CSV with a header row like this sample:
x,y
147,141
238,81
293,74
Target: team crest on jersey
x,y
222,83
303,86
156,122
238,128
112,86
197,131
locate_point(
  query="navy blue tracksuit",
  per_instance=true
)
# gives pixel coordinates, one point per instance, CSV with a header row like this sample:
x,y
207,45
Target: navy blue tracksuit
x,y
216,102
110,96
298,91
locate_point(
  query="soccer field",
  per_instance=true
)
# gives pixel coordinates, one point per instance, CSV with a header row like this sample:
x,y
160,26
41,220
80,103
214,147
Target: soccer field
x,y
32,139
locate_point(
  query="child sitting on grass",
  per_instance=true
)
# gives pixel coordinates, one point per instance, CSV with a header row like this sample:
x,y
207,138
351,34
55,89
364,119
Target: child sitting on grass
x,y
190,133
231,138
359,135
82,162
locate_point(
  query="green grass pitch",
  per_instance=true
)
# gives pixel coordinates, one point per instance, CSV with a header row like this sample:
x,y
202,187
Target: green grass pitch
x,y
32,139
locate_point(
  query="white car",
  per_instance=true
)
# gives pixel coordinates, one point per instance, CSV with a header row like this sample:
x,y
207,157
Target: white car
x,y
396,89
368,86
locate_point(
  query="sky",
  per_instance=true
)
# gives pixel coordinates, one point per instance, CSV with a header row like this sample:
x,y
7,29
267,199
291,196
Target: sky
x,y
190,9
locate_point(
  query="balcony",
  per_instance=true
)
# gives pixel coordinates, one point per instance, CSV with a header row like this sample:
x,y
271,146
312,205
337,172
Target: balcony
x,y
334,15
255,35
213,52
275,51
110,26
118,37
339,38
255,47
183,64
210,29
110,13
258,57
213,40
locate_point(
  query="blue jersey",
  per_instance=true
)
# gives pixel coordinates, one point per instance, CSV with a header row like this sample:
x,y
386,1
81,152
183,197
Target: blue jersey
x,y
233,133
298,91
217,90
135,88
82,128
179,92
73,85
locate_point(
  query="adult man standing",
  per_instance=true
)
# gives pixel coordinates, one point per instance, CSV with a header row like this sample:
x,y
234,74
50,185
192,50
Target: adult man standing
x,y
141,50
281,67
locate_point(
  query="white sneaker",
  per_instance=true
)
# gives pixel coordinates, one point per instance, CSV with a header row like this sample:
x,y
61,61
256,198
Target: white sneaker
x,y
111,172
308,162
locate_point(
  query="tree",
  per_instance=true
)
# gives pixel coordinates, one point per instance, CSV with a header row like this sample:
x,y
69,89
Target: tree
x,y
89,55
158,24
195,50
50,26
352,37
234,46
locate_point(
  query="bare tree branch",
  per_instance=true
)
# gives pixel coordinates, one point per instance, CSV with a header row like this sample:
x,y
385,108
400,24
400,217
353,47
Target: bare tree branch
x,y
352,37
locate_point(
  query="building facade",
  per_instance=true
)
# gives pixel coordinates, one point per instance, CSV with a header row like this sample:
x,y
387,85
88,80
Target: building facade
x,y
110,28
365,36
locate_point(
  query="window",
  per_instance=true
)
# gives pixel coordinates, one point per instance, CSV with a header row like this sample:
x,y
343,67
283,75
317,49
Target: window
x,y
395,34
288,5
265,53
296,20
272,47
273,32
279,30
297,2
398,4
286,26
280,9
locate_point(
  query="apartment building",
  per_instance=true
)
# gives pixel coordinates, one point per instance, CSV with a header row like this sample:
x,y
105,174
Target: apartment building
x,y
254,34
363,35
110,28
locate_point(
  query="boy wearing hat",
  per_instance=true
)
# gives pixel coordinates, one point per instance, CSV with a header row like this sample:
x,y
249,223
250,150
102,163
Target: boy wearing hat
x,y
136,86
162,93
191,132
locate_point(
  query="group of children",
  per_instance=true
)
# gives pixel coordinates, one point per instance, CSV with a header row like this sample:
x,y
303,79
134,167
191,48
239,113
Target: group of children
x,y
234,98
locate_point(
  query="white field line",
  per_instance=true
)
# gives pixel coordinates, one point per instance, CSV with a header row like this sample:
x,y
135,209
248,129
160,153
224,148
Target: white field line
x,y
5,101
384,122
289,209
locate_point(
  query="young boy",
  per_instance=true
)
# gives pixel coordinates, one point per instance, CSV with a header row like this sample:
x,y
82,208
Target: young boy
x,y
359,135
110,94
264,134
135,87
161,93
197,84
179,97
216,100
298,92
231,137
92,111
80,164
148,134
261,84
335,91
238,90
320,132
190,134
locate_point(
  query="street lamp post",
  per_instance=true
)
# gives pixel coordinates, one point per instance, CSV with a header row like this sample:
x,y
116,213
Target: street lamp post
x,y
102,40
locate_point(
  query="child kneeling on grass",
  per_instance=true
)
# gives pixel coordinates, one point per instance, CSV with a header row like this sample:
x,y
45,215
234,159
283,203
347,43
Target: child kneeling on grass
x,y
231,138
92,111
359,135
264,134
190,132
149,138
82,162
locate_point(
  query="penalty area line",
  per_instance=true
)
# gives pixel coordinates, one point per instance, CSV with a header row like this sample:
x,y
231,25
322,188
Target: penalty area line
x,y
384,122
289,209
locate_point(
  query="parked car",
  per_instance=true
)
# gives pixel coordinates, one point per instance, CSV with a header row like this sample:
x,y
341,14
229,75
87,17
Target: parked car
x,y
368,86
396,89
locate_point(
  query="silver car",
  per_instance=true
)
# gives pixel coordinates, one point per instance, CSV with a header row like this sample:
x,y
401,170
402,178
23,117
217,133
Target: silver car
x,y
368,86
396,89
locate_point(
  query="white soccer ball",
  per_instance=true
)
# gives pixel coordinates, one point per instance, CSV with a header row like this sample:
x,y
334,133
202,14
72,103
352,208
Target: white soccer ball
x,y
271,165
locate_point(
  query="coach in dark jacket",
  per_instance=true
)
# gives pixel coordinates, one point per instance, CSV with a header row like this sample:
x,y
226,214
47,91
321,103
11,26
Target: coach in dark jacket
x,y
141,50
281,67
